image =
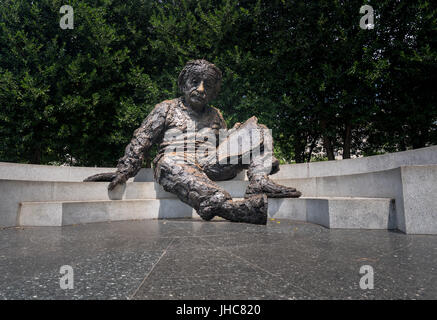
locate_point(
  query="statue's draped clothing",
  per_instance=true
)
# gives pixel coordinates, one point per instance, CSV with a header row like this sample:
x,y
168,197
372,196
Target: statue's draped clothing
x,y
174,127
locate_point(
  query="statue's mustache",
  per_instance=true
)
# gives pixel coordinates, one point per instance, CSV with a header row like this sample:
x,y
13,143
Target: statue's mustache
x,y
195,93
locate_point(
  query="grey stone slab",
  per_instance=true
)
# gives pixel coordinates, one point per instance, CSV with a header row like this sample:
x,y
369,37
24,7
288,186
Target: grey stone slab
x,y
294,209
105,275
364,213
312,240
99,211
419,184
199,261
40,214
278,233
237,286
32,172
194,269
13,192
78,212
318,212
109,261
327,263
412,186
384,184
417,254
361,213
175,259
32,241
391,184
406,285
423,156
331,278
191,242
371,185
214,227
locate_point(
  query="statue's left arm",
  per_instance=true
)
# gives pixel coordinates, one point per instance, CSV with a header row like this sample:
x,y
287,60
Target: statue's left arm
x,y
143,138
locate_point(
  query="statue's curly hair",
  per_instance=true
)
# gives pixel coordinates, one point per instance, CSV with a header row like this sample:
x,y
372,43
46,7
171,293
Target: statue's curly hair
x,y
200,65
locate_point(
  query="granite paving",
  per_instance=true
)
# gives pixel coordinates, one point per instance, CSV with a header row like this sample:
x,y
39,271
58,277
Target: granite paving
x,y
194,259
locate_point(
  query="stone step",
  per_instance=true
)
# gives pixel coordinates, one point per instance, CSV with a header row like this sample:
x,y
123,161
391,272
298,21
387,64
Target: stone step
x,y
345,213
337,212
13,192
60,213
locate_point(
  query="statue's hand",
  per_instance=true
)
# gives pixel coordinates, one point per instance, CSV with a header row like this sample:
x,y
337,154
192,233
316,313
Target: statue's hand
x,y
237,125
114,177
118,179
101,177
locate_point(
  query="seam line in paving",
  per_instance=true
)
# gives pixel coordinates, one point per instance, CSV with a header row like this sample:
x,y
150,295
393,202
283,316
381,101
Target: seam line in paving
x,y
241,258
227,252
151,270
208,275
395,250
260,268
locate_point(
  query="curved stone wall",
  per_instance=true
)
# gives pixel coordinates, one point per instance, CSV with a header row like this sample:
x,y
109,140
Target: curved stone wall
x,y
409,178
424,156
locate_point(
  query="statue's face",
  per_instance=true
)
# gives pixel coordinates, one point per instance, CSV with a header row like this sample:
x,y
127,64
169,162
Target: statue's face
x,y
200,88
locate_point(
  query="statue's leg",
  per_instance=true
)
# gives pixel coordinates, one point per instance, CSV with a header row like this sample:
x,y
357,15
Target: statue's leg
x,y
192,186
261,166
250,146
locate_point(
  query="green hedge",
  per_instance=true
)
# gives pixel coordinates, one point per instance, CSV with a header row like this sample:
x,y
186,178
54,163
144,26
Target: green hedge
x,y
304,68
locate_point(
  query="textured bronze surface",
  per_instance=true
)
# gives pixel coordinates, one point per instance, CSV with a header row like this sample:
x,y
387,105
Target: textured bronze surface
x,y
182,127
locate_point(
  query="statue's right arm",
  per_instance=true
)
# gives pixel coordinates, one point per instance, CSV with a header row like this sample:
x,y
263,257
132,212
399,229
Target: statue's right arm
x,y
143,138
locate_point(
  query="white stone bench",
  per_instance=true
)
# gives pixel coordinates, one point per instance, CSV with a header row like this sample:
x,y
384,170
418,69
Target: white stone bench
x,y
359,200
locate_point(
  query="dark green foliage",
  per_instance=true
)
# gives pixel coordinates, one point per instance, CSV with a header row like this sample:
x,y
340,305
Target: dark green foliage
x,y
304,68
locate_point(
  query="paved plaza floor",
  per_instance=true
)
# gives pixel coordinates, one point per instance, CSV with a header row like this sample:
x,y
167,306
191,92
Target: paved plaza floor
x,y
193,259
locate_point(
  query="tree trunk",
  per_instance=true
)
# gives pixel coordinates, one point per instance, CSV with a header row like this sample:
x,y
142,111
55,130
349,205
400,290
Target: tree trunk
x,y
299,151
347,141
327,144
298,156
417,140
36,154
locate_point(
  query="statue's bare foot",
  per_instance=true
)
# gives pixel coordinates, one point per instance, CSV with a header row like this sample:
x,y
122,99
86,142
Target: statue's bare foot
x,y
262,184
259,204
253,210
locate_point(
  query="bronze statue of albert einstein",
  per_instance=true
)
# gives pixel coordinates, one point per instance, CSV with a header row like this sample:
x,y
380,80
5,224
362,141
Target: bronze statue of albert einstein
x,y
196,149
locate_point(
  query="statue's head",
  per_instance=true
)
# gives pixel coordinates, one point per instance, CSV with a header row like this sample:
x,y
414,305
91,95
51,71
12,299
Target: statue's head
x,y
199,82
